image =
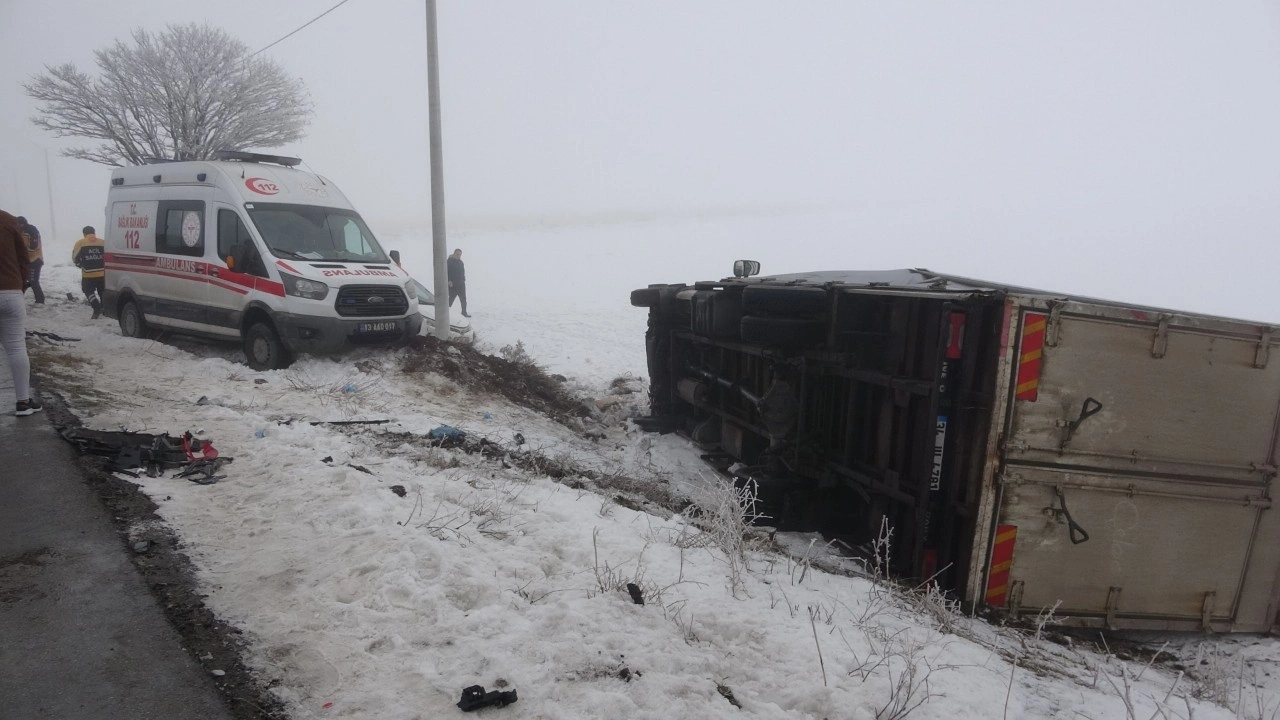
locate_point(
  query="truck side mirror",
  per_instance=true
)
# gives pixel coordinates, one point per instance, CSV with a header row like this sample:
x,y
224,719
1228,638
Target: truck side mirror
x,y
745,268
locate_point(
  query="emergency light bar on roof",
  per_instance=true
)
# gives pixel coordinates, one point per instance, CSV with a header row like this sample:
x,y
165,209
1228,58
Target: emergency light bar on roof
x,y
257,158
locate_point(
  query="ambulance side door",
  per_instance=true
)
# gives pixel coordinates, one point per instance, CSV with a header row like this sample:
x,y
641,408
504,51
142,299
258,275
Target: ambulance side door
x,y
181,287
237,271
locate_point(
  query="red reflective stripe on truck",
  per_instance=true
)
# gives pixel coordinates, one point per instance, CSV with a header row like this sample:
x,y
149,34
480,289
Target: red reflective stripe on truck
x,y
1029,357
1001,561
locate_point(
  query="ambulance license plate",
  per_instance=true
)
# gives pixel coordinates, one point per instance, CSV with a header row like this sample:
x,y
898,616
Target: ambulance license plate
x,y
377,327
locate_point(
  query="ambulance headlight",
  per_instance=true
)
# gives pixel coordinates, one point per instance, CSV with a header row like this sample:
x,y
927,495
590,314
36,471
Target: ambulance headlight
x,y
304,288
411,290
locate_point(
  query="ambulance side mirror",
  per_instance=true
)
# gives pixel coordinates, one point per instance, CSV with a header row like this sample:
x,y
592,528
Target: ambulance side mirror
x,y
745,268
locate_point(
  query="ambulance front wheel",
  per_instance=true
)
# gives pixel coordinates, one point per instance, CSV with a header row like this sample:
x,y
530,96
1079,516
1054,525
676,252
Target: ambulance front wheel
x,y
263,349
131,322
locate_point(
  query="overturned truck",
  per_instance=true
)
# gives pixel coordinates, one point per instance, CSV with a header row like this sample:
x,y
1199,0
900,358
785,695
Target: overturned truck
x,y
1028,448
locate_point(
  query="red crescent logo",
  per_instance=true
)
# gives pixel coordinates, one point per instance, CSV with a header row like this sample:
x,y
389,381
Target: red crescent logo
x,y
262,186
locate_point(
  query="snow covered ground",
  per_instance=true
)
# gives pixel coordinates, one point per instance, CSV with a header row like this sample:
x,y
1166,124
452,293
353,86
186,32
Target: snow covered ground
x,y
359,603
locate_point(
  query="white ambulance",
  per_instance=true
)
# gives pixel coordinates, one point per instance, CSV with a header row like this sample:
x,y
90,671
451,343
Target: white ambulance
x,y
247,247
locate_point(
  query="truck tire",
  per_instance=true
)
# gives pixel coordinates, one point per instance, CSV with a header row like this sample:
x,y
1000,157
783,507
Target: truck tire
x,y
646,297
773,301
263,349
783,331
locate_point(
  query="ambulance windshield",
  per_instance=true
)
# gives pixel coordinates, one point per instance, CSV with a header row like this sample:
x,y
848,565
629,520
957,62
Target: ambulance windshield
x,y
308,232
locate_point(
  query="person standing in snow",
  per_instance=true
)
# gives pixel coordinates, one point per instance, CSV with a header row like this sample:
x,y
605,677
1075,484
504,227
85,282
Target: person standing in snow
x,y
14,280
458,280
35,255
89,254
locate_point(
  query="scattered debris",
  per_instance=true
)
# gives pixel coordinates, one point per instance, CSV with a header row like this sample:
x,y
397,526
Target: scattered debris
x,y
219,673
488,416
327,459
637,597
128,451
474,698
204,400
259,381
350,388
399,490
727,694
50,337
361,468
141,546
519,439
447,436
349,422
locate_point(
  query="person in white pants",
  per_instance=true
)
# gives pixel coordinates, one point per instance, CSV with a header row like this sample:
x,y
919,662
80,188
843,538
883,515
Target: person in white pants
x,y
13,311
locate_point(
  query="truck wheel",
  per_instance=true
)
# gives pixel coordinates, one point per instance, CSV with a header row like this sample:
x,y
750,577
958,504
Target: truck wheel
x,y
646,297
773,301
132,323
263,349
782,331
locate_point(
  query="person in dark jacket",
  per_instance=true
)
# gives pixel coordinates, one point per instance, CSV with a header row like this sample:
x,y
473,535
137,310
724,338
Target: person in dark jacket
x,y
458,281
35,254
13,311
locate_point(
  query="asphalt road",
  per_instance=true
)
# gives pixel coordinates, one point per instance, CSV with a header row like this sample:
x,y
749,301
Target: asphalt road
x,y
80,635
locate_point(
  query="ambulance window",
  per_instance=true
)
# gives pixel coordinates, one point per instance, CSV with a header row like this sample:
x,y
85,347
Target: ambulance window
x,y
235,241
352,239
180,228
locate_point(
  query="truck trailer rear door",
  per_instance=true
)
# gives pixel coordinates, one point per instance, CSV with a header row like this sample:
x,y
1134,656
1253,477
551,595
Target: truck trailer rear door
x,y
1137,456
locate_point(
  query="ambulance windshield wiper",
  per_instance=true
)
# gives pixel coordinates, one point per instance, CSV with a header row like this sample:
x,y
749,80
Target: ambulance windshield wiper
x,y
290,253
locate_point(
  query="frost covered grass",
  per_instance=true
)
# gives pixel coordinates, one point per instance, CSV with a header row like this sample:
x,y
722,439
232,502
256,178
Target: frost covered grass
x,y
506,564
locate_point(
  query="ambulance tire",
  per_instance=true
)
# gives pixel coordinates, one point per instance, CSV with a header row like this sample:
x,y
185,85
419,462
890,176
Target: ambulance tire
x,y
132,323
263,349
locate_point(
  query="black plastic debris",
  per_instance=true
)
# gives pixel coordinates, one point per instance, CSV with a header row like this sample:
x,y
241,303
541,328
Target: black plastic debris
x,y
327,459
399,490
349,422
474,698
361,468
637,597
127,452
519,439
50,337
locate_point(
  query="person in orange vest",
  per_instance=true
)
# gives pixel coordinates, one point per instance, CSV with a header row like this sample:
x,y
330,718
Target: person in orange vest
x,y
89,254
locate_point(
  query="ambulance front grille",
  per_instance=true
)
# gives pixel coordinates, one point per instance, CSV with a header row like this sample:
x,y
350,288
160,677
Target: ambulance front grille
x,y
371,301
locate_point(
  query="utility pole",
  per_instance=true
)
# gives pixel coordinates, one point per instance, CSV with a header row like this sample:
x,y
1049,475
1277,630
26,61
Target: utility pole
x,y
439,247
48,183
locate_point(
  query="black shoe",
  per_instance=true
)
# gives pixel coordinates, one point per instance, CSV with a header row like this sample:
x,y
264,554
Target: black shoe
x,y
28,407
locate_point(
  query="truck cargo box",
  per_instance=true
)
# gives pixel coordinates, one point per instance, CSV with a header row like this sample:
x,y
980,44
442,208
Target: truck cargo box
x,y
1028,448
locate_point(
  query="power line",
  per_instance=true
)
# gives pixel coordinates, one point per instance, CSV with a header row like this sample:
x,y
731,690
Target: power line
x,y
286,37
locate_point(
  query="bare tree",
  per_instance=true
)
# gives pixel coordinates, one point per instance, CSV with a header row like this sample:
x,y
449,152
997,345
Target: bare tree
x,y
181,94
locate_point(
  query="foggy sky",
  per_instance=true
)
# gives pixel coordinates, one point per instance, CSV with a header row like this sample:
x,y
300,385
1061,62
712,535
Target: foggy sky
x,y
1125,150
